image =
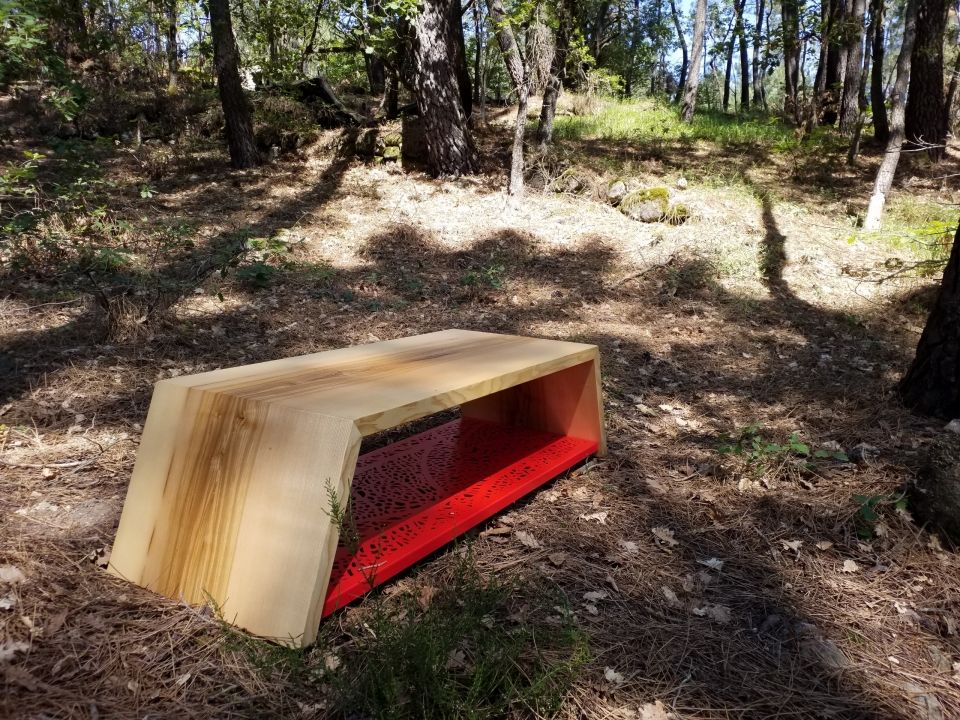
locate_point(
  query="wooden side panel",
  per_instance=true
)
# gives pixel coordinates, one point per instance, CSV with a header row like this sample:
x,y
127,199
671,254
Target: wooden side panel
x,y
230,503
567,402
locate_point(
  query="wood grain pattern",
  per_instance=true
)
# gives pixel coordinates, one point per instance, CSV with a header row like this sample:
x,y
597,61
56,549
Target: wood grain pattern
x,y
231,493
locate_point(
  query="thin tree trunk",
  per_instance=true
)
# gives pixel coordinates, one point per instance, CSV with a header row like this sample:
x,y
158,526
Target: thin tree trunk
x,y
932,384
881,128
173,55
926,115
888,167
558,65
477,52
728,66
850,104
376,70
758,66
952,91
791,58
458,53
693,77
450,146
236,108
744,61
521,83
685,59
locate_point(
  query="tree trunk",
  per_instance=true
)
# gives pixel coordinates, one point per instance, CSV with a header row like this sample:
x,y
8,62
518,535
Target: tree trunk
x,y
477,53
173,55
521,83
744,61
758,66
888,167
693,76
458,53
932,384
952,92
926,115
685,60
236,109
881,128
558,67
791,58
728,66
376,70
850,104
450,146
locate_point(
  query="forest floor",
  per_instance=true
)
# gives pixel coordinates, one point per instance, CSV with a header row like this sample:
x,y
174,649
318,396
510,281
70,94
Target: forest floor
x,y
742,551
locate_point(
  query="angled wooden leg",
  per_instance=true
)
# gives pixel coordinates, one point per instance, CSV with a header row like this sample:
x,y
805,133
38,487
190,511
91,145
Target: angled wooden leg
x,y
567,402
230,502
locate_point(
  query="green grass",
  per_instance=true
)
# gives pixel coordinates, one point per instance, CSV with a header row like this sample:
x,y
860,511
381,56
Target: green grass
x,y
923,227
463,656
645,121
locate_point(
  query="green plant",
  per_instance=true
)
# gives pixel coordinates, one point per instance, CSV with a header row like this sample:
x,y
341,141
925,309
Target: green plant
x,y
256,274
488,276
871,507
461,656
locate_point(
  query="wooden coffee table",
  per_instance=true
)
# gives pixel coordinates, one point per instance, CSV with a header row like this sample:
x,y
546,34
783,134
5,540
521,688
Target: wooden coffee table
x,y
243,479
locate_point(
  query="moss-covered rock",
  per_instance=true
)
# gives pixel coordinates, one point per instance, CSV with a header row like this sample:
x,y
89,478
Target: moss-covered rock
x,y
391,153
572,181
646,205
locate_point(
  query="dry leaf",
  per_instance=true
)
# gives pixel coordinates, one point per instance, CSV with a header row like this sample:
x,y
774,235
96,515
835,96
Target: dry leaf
x,y
183,679
719,613
10,648
630,546
331,662
557,558
792,545
425,596
11,575
665,535
670,595
849,566
54,624
655,711
824,545
600,517
712,563
612,676
527,539
456,660
8,601
595,595
592,609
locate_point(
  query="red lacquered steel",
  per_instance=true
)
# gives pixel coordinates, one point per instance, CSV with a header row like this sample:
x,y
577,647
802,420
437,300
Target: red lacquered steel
x,y
416,495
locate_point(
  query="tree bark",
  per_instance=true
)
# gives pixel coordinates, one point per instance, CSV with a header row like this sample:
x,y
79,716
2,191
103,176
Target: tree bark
x,y
450,146
744,61
236,108
173,54
926,114
458,52
850,103
932,384
888,167
952,92
881,128
478,87
558,70
791,58
693,75
758,66
685,59
521,83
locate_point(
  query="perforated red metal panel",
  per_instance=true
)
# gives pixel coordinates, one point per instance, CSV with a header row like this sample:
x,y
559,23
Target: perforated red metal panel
x,y
416,495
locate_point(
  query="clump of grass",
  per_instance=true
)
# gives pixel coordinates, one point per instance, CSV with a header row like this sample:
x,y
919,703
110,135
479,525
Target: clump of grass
x,y
463,656
923,228
645,121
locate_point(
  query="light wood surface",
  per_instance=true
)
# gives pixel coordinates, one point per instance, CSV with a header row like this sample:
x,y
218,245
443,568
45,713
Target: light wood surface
x,y
230,497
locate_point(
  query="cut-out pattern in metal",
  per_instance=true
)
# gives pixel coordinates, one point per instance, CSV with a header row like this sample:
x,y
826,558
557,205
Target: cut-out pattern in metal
x,y
411,498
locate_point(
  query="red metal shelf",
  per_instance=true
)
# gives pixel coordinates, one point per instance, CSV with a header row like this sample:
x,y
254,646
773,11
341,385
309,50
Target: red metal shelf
x,y
413,497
